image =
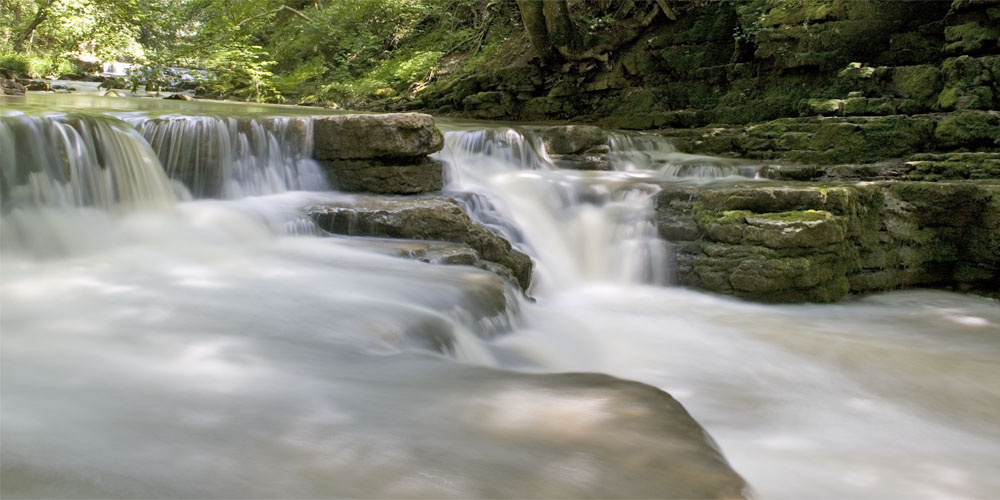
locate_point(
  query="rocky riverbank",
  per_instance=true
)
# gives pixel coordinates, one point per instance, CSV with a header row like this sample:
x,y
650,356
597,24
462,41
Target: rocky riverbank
x,y
793,241
814,232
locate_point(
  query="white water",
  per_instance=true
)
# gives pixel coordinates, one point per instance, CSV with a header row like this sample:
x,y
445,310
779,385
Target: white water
x,y
890,396
218,348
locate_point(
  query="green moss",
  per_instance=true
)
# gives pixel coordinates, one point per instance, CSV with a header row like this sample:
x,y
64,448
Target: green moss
x,y
948,98
970,37
733,216
825,106
912,47
781,12
797,216
916,82
965,71
968,129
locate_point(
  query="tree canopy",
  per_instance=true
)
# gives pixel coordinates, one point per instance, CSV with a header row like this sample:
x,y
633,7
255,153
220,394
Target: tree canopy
x,y
330,50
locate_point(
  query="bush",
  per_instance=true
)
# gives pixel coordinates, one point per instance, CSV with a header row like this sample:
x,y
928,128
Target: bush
x,y
36,66
17,63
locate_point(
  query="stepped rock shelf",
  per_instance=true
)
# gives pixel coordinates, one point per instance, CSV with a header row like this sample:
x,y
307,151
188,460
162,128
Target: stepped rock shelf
x,y
858,228
388,154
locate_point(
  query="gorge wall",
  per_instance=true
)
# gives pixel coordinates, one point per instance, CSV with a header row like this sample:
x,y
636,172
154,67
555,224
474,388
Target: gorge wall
x,y
748,61
877,122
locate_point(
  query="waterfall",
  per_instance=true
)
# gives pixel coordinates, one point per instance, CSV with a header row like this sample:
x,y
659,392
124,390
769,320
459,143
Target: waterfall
x,y
643,152
173,325
584,226
235,157
75,161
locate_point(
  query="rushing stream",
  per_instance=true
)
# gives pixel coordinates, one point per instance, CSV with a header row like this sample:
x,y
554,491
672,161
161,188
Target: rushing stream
x,y
173,326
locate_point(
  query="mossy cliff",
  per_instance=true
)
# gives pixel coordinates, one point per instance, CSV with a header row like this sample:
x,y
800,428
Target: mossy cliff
x,y
851,80
793,242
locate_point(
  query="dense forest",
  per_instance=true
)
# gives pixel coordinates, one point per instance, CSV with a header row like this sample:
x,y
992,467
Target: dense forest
x,y
329,50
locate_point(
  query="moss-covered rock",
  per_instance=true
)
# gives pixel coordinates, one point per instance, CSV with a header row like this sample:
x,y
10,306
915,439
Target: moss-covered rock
x,y
794,242
970,37
921,83
968,129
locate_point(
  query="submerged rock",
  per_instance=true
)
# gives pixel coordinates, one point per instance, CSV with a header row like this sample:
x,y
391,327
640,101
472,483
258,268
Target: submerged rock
x,y
433,218
392,135
38,86
569,139
577,147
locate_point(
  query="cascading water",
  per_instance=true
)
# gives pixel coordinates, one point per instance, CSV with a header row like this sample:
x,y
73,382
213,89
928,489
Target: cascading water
x,y
217,348
889,396
74,161
235,157
159,345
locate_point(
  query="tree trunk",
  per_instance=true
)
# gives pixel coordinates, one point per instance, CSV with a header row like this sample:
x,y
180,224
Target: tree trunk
x,y
40,17
533,17
561,29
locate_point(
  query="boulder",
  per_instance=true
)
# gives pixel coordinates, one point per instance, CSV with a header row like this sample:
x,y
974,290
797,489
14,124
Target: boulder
x,y
392,135
577,147
38,86
431,218
401,176
569,139
10,87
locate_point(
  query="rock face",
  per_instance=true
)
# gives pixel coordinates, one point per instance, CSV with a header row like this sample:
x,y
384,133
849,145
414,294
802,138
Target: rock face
x,y
840,140
384,154
434,218
794,242
10,87
393,135
817,81
395,176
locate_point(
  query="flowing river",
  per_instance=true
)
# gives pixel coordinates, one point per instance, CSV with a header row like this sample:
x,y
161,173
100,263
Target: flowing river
x,y
172,333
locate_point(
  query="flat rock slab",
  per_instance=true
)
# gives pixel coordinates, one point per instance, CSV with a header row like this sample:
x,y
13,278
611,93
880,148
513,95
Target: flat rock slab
x,y
432,218
391,135
403,176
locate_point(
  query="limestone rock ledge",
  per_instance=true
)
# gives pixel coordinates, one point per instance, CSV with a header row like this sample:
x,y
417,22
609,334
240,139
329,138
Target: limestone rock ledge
x,y
397,176
379,153
430,218
795,242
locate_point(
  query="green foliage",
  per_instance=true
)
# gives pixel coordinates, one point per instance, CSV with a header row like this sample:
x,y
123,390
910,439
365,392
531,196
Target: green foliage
x,y
387,79
19,63
261,49
36,66
241,71
310,70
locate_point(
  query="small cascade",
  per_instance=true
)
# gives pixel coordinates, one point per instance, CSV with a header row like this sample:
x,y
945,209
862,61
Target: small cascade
x,y
583,226
642,152
68,161
235,157
504,146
